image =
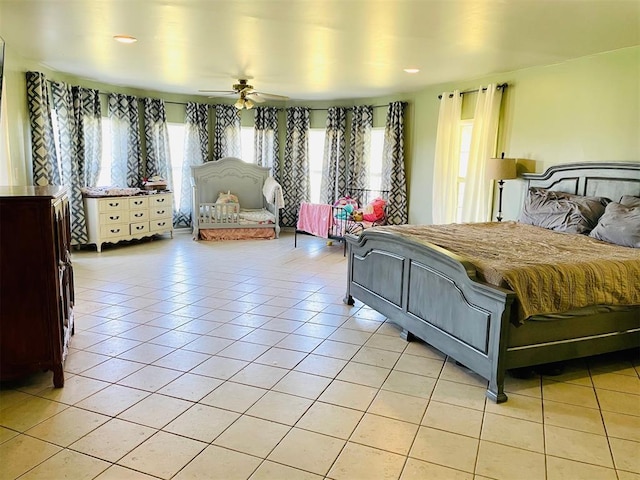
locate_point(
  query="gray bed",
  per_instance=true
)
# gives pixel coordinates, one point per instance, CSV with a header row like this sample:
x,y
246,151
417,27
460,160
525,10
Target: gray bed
x,y
437,296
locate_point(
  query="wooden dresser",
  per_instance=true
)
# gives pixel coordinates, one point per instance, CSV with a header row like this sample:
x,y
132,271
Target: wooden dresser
x,y
36,281
113,219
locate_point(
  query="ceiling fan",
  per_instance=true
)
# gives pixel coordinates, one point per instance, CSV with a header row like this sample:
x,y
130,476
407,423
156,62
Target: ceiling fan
x,y
247,95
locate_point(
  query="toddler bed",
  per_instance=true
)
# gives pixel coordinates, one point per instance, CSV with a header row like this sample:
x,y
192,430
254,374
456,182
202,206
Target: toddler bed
x,y
234,200
562,283
351,214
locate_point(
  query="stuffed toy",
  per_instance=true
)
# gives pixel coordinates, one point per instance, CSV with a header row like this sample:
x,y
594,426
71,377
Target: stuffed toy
x,y
374,211
346,200
357,215
227,198
344,212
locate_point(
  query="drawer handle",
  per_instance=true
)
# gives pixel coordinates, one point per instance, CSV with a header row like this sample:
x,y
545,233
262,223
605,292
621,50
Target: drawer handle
x,y
114,217
138,215
162,224
140,227
115,230
137,202
114,204
160,200
160,212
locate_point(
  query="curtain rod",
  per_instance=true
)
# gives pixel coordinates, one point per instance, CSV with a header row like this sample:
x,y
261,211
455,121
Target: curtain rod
x,y
279,108
502,85
351,108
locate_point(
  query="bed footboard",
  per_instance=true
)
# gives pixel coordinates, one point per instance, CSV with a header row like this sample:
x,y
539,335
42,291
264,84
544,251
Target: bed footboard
x,y
435,296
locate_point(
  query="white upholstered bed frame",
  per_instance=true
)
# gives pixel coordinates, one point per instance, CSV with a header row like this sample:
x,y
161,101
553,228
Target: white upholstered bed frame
x,y
245,180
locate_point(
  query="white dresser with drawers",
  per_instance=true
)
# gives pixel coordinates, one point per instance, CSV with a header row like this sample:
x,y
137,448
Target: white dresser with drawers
x,y
113,219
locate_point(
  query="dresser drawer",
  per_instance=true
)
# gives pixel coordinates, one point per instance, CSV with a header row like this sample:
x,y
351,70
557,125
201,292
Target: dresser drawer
x,y
139,227
111,205
114,231
113,218
138,203
138,215
160,224
160,212
160,201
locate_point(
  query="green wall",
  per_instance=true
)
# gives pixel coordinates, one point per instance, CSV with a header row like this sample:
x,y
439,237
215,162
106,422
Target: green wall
x,y
587,109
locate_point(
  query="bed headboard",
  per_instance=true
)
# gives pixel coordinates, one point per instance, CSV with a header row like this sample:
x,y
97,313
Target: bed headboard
x,y
230,174
597,179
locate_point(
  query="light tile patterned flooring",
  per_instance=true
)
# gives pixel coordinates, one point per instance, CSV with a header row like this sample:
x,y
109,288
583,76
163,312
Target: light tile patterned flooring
x,y
239,360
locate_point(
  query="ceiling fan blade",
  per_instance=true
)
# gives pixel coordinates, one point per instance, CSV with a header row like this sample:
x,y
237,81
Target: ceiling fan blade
x,y
255,98
224,92
268,96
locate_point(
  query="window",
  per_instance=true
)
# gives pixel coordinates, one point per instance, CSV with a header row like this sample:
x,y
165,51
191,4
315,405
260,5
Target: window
x,y
375,160
104,179
316,154
247,144
466,128
176,149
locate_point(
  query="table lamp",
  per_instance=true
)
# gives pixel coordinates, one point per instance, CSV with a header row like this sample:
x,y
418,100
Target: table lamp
x,y
501,169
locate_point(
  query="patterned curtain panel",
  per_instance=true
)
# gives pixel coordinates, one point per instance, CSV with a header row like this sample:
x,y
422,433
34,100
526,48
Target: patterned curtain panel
x,y
77,113
126,162
360,147
226,140
156,135
87,102
266,139
295,168
334,162
393,177
196,149
46,170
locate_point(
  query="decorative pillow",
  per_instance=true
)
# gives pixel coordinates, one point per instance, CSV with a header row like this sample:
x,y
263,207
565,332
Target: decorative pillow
x,y
227,197
619,225
630,201
561,211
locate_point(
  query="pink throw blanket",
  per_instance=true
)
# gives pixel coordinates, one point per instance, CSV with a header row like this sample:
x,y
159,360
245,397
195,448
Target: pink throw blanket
x,y
315,218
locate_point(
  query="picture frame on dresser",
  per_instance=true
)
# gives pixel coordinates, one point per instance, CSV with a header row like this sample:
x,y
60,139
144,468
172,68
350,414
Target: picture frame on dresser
x,y
113,219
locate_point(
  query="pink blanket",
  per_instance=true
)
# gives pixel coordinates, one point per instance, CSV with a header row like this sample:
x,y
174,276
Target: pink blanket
x,y
315,218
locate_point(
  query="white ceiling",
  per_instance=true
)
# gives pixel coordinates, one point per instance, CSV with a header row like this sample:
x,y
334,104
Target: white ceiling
x,y
310,49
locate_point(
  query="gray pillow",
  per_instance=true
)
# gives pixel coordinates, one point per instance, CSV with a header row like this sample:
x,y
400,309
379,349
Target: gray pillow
x,y
630,201
619,225
561,211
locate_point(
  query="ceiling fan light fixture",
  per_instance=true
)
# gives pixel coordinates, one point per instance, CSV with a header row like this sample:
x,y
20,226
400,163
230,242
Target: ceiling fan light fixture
x,y
239,104
248,104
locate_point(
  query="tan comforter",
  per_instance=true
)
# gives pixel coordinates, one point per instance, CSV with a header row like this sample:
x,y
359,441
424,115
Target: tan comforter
x,y
550,272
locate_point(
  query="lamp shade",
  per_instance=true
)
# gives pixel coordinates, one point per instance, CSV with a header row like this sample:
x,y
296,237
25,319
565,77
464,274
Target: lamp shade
x,y
501,168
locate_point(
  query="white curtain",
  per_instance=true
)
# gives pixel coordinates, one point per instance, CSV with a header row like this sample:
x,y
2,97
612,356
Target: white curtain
x,y
477,199
447,159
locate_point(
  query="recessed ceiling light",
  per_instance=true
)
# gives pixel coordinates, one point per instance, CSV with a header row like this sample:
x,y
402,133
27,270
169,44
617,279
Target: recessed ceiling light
x,y
125,38
412,70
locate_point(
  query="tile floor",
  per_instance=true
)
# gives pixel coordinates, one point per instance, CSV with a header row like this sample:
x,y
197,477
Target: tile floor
x,y
238,360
